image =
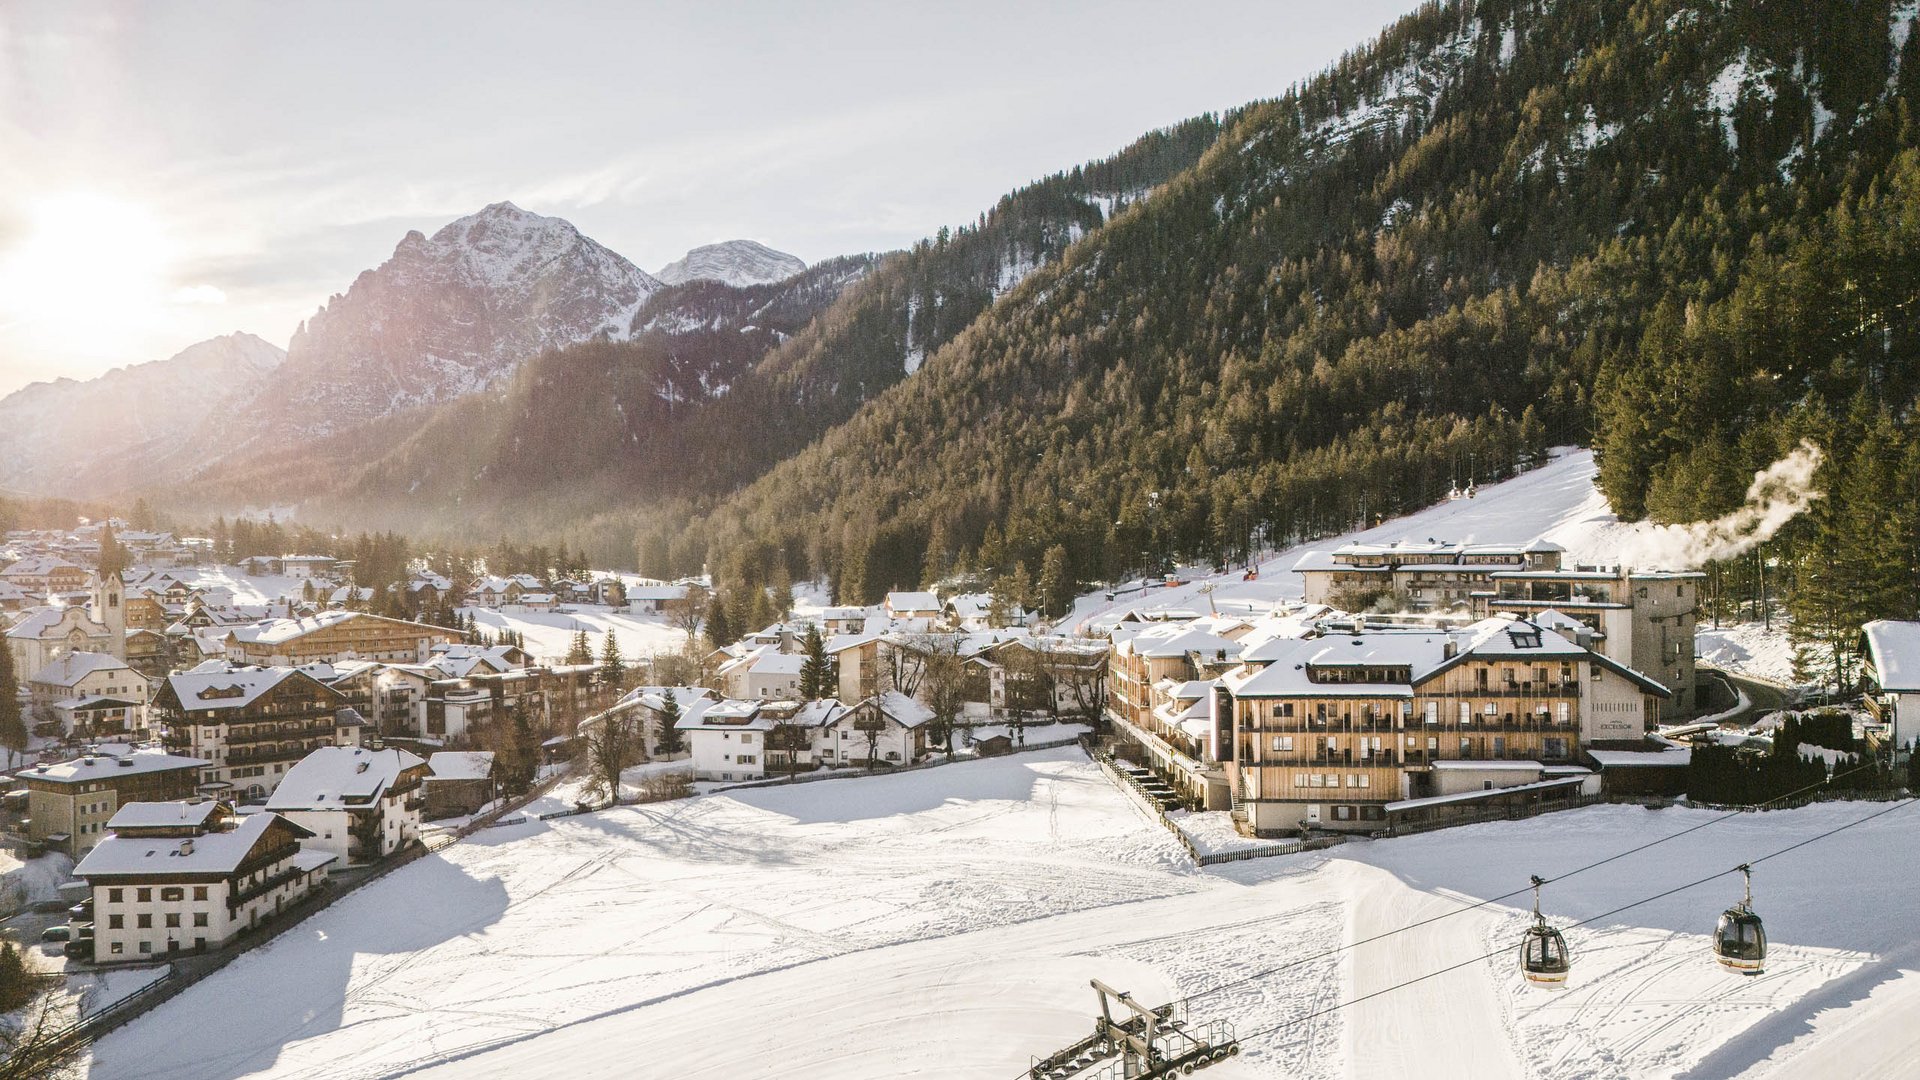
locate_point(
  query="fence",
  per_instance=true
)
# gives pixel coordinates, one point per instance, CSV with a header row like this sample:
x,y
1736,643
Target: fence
x,y
849,774
44,1056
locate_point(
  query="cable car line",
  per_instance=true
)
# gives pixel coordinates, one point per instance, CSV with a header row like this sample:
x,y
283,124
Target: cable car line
x,y
1337,949
1899,805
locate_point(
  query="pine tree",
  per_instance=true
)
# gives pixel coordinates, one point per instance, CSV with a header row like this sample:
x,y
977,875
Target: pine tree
x,y
669,742
16,983
719,630
13,727
815,677
1056,583
581,651
613,670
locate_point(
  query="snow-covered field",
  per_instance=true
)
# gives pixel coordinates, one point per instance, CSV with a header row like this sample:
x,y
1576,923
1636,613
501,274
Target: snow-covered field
x,y
945,923
549,634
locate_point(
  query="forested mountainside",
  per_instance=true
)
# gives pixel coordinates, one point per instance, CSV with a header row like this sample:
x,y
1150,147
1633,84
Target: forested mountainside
x,y
715,385
1500,226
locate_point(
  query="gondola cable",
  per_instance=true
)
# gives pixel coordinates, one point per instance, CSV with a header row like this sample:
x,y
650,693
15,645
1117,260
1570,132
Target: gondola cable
x,y
1336,950
1504,950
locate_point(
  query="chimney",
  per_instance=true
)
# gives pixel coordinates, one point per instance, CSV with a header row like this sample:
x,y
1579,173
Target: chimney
x,y
186,846
1449,650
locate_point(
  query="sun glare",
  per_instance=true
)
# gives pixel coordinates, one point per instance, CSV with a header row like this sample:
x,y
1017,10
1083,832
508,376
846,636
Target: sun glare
x,y
91,268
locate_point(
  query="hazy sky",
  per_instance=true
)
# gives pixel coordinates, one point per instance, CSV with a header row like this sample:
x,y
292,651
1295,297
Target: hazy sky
x,y
173,171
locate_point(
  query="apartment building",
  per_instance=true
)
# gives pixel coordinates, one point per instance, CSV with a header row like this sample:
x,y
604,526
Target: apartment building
x,y
1426,575
249,724
1354,729
1644,619
70,803
361,805
335,635
188,876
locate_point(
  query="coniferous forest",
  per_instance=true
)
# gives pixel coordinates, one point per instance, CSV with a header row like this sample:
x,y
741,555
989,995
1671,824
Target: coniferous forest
x,y
1679,232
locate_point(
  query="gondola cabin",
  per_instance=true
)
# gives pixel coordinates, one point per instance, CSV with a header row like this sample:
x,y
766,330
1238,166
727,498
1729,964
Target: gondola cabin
x,y
1544,959
1740,939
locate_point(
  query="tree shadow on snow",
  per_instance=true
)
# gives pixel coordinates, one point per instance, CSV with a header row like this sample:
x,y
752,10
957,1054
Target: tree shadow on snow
x,y
883,795
238,1021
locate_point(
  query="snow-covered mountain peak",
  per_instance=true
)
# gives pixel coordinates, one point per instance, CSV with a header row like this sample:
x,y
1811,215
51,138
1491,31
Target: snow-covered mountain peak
x,y
739,263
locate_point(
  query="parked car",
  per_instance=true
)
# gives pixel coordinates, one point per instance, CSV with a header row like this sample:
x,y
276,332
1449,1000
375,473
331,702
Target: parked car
x,y
80,950
57,933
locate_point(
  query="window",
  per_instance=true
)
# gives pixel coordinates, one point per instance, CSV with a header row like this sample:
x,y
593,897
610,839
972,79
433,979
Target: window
x,y
1466,713
1565,712
1433,712
143,895
1343,813
144,922
199,892
173,920
172,893
116,922
746,736
1283,744
117,947
1299,779
146,946
199,918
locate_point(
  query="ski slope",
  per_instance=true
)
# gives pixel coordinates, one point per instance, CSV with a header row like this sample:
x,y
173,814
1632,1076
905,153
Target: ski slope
x,y
945,923
549,634
1557,501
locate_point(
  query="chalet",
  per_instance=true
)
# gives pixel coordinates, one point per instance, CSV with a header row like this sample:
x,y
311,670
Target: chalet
x,y
178,876
762,673
458,782
250,724
335,635
1892,674
726,740
921,606
889,728
93,695
69,802
42,575
13,598
654,599
361,805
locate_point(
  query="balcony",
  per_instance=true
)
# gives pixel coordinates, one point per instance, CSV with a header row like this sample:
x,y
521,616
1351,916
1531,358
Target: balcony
x,y
270,753
243,735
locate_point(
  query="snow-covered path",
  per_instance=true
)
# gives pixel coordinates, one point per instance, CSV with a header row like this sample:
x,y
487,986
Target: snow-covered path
x,y
945,923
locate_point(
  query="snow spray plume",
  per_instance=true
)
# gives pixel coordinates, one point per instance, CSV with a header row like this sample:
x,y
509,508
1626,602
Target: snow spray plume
x,y
1778,494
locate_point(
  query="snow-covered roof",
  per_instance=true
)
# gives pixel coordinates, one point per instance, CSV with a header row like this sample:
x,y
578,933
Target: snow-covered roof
x,y
335,777
1894,648
725,714
75,666
461,764
912,601
160,815
225,687
902,709
1474,796
773,663
105,763
1618,758
219,852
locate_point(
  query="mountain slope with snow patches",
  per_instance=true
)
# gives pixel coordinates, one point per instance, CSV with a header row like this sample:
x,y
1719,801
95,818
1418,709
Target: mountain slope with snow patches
x,y
739,263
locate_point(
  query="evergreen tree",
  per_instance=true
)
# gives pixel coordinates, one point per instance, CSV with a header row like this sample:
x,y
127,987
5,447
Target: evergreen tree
x,y
613,670
16,982
669,741
581,652
13,726
1056,583
719,630
816,679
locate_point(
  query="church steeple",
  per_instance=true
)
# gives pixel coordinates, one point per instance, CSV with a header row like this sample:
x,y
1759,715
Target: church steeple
x,y
109,593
